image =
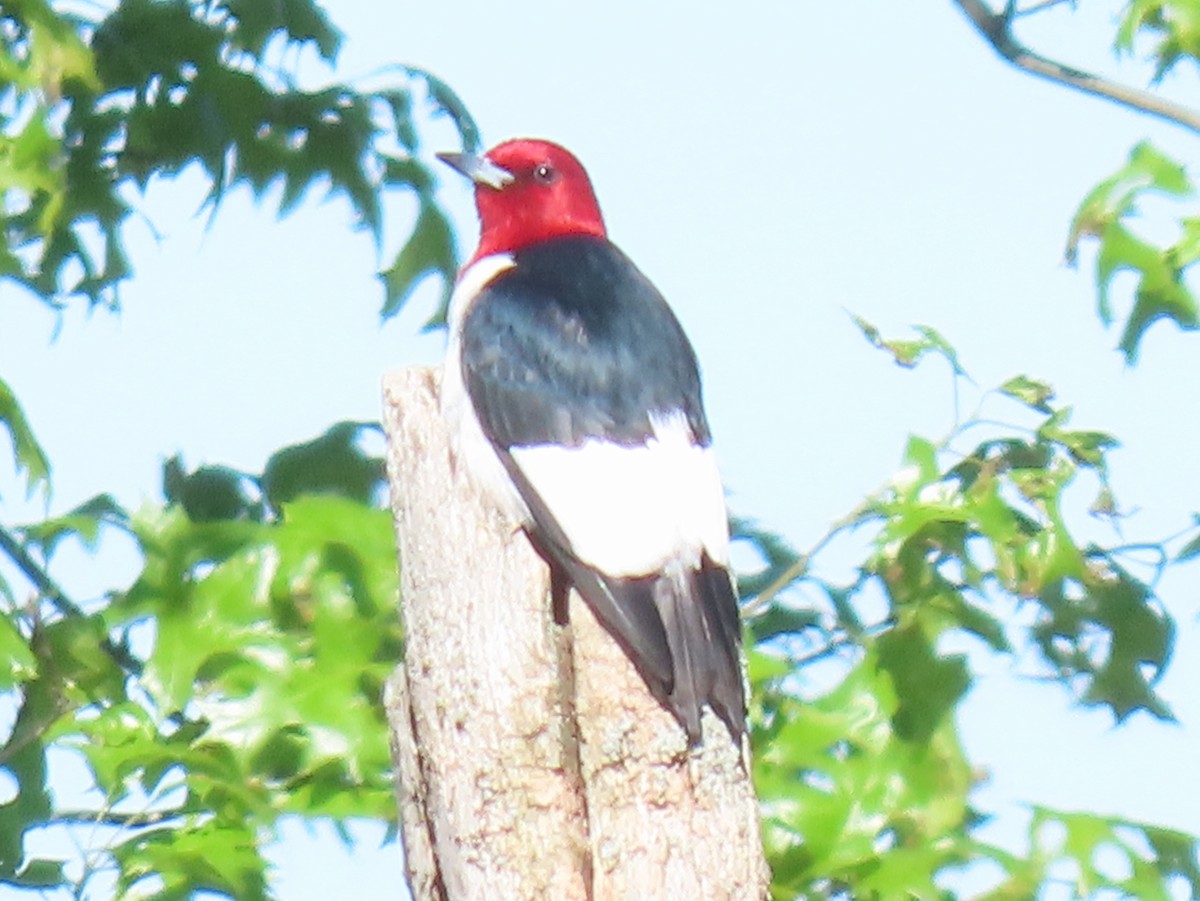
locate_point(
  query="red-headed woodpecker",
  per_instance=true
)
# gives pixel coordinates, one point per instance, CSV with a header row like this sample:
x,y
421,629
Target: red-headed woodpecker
x,y
573,398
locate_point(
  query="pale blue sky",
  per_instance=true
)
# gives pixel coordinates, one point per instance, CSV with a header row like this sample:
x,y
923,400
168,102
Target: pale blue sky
x,y
770,169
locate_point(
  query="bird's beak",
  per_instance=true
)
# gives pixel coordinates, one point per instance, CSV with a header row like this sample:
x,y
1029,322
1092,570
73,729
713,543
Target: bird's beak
x,y
479,169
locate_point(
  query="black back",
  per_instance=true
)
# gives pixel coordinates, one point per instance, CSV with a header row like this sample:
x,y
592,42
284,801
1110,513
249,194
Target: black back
x,y
634,358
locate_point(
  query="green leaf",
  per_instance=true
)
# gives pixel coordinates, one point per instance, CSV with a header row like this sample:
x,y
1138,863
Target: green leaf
x,y
1161,291
762,667
17,662
1173,27
219,613
779,619
214,856
330,464
449,103
117,742
927,686
175,84
1031,392
57,54
1191,550
1086,839
83,521
837,784
28,163
1147,170
211,493
300,20
24,761
429,251
1084,446
1175,854
38,874
976,620
28,456
908,353
400,102
934,342
1162,294
281,636
1141,641
314,523
76,645
921,454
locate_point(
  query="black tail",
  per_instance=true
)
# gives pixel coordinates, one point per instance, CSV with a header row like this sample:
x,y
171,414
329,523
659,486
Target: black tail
x,y
698,613
699,610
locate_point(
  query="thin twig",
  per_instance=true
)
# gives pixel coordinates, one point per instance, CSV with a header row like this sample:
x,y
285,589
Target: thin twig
x,y
50,590
113,818
831,649
41,580
799,568
996,29
853,519
842,642
25,734
1039,6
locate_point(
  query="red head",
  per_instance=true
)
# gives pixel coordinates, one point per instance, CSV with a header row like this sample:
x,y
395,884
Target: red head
x,y
528,191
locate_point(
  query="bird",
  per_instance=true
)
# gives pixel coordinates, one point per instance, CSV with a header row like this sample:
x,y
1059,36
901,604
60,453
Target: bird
x,y
573,399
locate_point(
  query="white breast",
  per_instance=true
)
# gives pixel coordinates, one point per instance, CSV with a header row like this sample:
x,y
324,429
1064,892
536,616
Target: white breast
x,y
471,448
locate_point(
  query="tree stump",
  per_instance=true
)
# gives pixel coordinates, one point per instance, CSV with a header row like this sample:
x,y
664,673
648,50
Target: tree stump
x,y
531,760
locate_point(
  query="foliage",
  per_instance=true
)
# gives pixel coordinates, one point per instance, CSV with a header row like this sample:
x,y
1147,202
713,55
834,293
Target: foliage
x,y
237,679
154,88
866,790
27,453
1167,32
1162,290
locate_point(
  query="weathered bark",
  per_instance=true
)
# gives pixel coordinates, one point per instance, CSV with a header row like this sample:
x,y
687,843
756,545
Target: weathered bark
x,y
491,801
531,760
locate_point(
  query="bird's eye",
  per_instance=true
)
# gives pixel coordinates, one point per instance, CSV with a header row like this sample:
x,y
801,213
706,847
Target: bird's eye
x,y
545,173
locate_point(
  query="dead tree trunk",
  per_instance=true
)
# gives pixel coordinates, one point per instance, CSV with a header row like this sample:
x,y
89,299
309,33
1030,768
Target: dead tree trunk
x,y
531,760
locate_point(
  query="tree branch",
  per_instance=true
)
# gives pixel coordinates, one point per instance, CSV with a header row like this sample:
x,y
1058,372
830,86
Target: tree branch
x,y
996,29
41,580
115,819
861,514
50,590
1039,6
31,725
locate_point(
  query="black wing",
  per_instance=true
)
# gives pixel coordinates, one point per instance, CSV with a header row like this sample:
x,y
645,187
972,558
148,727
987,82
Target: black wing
x,y
634,358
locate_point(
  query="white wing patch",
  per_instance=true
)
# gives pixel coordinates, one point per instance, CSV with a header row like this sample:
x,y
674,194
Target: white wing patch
x,y
631,511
